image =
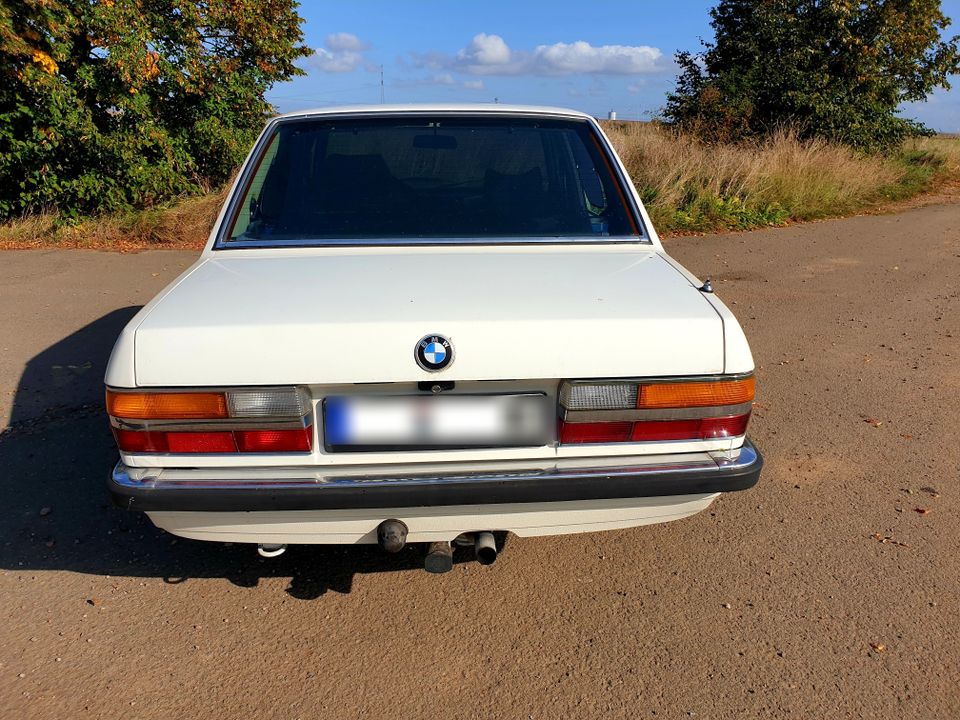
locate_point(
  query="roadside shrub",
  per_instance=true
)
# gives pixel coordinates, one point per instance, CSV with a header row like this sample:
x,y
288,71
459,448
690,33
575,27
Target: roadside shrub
x,y
115,105
837,70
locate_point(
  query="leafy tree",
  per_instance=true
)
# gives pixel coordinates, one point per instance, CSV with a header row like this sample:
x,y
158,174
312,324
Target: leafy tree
x,y
837,69
112,104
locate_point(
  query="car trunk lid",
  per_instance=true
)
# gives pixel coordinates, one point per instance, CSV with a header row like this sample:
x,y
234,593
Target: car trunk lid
x,y
340,316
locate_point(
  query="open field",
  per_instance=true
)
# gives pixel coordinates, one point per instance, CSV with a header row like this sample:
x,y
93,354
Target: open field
x,y
827,591
686,186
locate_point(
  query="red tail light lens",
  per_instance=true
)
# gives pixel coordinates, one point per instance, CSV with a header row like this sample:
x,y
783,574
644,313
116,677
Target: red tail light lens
x,y
140,442
249,441
703,429
200,442
576,433
724,427
274,440
652,431
666,430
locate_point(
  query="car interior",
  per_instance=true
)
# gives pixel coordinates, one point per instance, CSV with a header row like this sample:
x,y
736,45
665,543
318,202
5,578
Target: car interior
x,y
386,179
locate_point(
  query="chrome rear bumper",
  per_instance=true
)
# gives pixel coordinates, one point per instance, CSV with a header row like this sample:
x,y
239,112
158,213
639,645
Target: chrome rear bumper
x,y
716,472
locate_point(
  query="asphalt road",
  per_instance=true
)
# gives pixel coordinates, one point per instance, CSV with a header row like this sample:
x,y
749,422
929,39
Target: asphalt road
x,y
828,591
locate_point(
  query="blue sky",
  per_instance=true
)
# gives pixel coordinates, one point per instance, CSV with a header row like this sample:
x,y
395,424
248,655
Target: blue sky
x,y
593,56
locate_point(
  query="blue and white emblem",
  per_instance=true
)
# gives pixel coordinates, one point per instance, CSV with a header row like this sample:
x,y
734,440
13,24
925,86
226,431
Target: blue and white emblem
x,y
434,353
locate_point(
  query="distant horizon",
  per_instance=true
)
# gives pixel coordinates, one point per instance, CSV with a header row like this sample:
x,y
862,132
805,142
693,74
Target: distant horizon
x,y
531,53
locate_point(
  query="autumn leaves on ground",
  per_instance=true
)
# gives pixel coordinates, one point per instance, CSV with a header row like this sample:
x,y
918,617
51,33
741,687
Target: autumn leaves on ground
x,y
686,185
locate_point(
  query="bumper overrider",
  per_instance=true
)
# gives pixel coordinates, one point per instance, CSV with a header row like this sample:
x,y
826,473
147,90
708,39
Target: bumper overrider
x,y
718,472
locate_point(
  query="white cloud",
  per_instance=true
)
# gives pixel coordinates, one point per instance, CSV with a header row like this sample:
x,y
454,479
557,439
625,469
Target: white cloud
x,y
342,53
490,55
344,41
474,84
485,50
443,79
582,57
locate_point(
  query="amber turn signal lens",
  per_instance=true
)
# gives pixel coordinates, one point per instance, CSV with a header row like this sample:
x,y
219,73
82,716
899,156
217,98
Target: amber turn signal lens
x,y
696,394
166,406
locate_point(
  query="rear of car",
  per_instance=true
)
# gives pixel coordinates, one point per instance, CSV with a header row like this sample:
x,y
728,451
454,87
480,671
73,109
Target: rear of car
x,y
424,325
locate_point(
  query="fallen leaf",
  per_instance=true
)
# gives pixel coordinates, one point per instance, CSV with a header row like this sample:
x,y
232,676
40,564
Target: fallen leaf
x,y
921,511
873,421
906,437
879,647
888,540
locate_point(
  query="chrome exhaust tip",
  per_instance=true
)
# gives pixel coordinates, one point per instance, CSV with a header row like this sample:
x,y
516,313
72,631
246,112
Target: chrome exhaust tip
x,y
485,548
271,551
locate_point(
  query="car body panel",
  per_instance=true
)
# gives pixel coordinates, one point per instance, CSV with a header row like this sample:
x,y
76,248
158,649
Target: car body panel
x,y
430,524
355,316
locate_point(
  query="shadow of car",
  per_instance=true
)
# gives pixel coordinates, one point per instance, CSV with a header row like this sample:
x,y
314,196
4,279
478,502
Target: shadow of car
x,y
54,458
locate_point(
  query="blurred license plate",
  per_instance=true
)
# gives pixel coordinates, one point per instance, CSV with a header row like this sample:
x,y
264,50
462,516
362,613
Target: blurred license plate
x,y
425,422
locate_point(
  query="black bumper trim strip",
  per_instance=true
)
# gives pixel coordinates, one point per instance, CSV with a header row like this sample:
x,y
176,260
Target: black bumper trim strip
x,y
483,489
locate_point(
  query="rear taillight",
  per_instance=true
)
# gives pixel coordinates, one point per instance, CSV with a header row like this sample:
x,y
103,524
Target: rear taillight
x,y
655,410
166,406
249,420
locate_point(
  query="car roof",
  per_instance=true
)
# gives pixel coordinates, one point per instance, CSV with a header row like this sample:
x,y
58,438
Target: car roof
x,y
453,108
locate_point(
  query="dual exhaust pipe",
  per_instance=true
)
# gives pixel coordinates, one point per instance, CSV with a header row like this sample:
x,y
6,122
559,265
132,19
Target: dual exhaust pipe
x,y
392,537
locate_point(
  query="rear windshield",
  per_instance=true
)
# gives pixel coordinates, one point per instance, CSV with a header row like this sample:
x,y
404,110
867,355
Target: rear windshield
x,y
402,179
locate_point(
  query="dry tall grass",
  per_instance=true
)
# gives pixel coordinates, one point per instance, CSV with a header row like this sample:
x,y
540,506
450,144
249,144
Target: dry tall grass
x,y
183,224
943,151
686,184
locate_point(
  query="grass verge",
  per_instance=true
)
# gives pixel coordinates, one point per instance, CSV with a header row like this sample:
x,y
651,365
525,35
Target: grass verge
x,y
687,186
183,224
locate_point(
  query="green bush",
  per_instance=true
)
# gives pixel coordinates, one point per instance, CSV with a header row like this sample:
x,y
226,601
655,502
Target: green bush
x,y
836,69
117,104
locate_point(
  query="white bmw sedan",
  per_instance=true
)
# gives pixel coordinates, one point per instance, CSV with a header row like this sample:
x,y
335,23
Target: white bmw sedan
x,y
429,324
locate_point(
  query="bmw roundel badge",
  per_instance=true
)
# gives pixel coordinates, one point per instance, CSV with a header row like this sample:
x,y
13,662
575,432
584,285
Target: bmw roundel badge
x,y
434,353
